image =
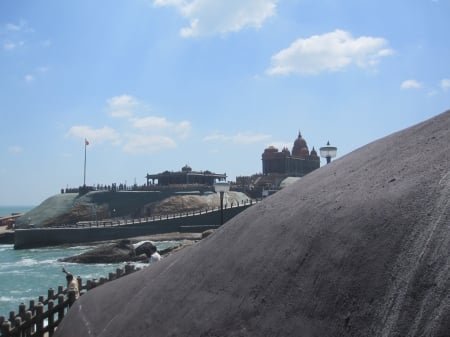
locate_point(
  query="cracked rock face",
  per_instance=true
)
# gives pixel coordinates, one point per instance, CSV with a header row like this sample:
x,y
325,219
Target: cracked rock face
x,y
359,247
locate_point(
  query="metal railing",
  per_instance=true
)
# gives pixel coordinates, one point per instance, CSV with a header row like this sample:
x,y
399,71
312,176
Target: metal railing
x,y
121,222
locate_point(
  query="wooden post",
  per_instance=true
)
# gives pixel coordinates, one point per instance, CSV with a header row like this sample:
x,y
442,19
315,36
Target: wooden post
x,y
6,328
128,269
31,307
17,323
40,319
51,317
71,297
29,317
22,309
60,307
50,294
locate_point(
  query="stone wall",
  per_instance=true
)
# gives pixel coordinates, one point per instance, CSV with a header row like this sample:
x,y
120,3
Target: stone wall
x,y
40,237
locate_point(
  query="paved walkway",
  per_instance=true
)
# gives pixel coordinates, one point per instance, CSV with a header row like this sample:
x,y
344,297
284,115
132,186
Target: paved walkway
x,y
3,229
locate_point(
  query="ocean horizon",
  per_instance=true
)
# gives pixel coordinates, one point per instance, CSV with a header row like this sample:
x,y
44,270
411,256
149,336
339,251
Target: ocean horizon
x,y
8,210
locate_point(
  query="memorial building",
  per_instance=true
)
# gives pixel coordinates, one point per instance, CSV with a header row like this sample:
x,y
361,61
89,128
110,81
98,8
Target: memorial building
x,y
293,164
185,177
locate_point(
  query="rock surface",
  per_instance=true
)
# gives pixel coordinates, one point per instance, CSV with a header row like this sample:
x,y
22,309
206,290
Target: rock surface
x,y
359,247
122,251
69,208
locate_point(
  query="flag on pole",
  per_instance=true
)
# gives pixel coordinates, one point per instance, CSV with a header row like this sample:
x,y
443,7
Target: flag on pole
x,y
86,142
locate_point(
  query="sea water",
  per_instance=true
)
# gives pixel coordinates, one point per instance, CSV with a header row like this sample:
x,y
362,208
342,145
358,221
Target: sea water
x,y
26,274
8,210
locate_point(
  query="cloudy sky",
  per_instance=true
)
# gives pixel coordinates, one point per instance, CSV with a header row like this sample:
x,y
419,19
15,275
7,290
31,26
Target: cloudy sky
x,y
157,84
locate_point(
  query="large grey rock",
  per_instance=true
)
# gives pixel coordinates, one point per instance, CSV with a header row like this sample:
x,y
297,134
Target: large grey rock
x,y
121,251
359,247
69,208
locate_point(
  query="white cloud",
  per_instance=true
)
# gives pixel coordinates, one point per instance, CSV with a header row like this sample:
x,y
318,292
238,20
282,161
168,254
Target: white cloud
x,y
10,46
15,149
156,124
94,135
42,69
328,52
432,93
22,26
239,138
145,144
29,78
151,123
122,106
208,17
46,43
445,83
411,84
280,145
176,3
147,134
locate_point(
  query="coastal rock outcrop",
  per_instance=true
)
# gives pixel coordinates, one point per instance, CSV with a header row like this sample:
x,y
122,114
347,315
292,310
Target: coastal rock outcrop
x,y
121,251
69,208
356,248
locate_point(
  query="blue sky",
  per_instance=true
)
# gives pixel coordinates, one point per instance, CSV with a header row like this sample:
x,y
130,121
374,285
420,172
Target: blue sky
x,y
155,85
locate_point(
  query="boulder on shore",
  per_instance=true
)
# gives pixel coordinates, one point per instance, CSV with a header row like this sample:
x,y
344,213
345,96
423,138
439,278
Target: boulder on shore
x,y
121,251
116,252
359,247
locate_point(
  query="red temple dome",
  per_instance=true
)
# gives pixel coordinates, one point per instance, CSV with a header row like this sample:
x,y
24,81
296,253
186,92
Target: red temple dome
x,y
300,148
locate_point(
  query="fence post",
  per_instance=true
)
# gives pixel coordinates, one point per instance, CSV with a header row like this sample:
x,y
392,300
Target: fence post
x,y
50,294
51,317
28,317
40,319
60,307
71,297
17,324
22,309
80,283
89,285
6,328
128,269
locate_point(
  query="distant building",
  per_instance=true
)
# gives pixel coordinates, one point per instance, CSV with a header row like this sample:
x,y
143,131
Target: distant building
x,y
295,164
185,177
280,168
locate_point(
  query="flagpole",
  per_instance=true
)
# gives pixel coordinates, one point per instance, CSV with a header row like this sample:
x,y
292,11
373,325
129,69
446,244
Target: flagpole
x,y
84,177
